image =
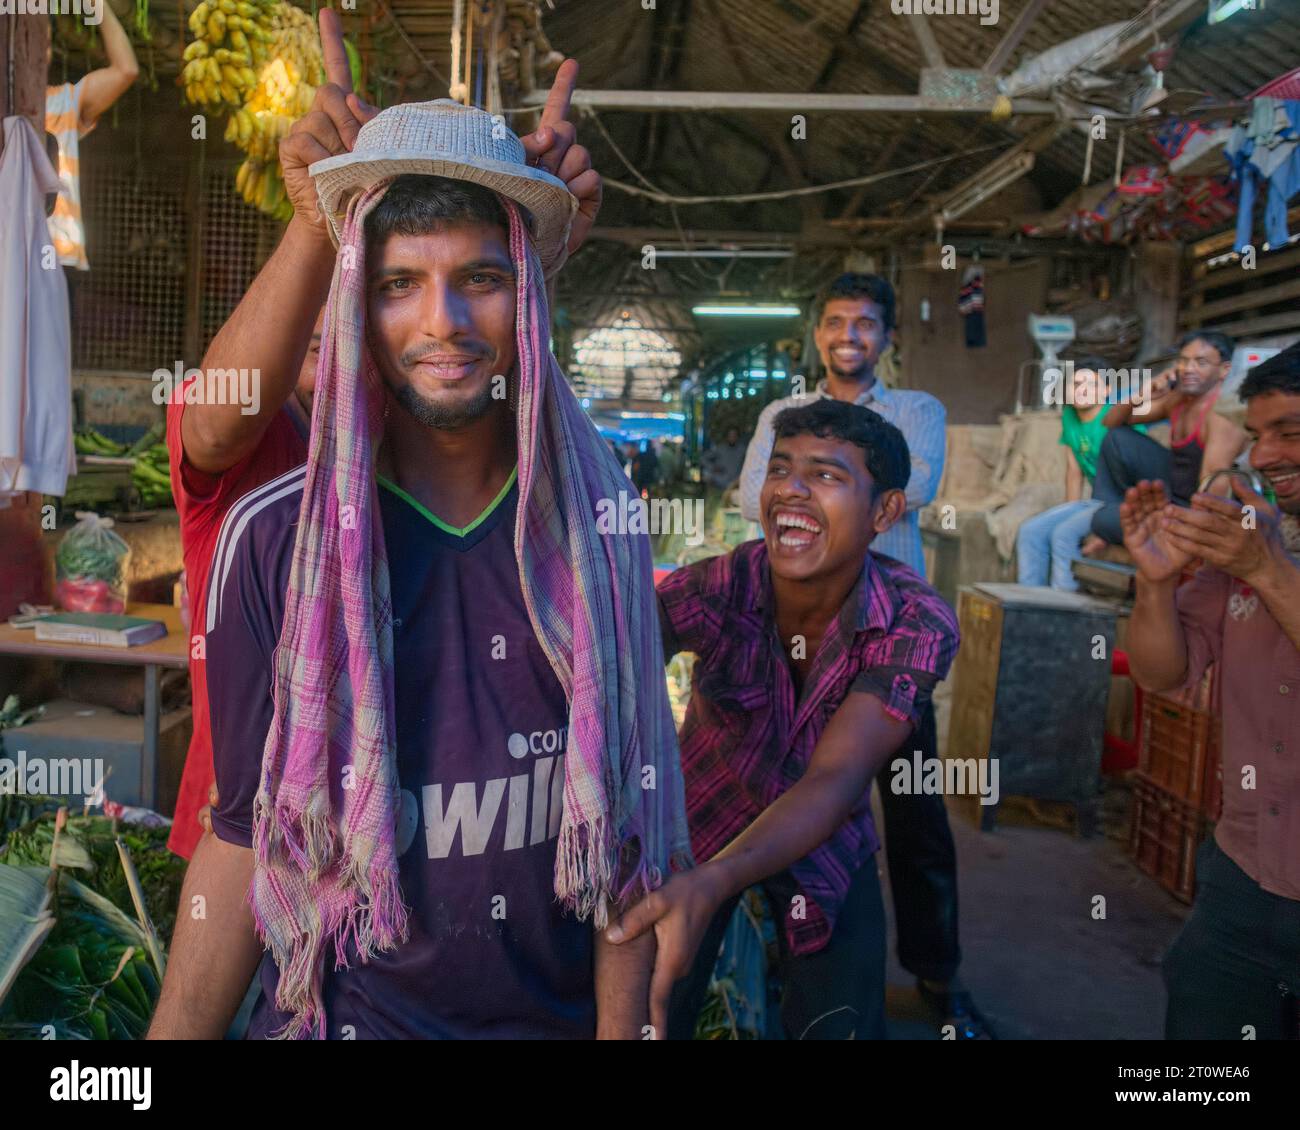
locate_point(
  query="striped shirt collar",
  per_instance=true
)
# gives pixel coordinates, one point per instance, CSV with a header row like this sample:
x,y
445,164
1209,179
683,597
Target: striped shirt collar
x,y
875,391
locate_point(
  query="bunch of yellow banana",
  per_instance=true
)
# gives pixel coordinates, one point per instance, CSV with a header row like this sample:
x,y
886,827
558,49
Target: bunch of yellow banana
x,y
231,42
284,92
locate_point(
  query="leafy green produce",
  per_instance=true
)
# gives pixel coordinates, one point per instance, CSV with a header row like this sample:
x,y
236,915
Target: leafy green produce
x,y
92,838
92,979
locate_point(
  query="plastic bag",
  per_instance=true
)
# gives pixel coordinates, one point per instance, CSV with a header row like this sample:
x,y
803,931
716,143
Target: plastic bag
x,y
90,567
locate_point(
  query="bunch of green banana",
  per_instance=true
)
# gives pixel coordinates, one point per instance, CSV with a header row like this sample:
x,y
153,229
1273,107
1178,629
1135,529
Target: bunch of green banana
x,y
231,42
90,442
151,475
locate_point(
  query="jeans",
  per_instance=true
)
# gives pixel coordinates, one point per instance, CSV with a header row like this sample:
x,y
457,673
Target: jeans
x,y
922,867
1236,963
1048,542
837,993
1126,457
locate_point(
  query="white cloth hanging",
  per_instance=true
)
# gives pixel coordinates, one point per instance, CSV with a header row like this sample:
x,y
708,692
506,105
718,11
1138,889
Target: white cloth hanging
x,y
36,449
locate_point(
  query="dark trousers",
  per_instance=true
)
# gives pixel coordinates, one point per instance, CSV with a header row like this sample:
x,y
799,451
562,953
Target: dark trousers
x,y
1236,963
922,868
1125,459
837,993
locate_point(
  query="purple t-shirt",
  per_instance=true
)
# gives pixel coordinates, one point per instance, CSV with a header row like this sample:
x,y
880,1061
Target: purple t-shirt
x,y
480,737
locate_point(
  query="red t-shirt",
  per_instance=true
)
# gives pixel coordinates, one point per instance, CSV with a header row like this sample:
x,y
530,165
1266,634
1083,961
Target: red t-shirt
x,y
202,501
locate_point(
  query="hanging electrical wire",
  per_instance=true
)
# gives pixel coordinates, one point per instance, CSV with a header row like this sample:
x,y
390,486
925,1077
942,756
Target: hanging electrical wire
x,y
661,197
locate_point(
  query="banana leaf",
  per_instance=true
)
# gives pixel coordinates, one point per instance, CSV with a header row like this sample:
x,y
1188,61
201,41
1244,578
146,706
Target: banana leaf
x,y
25,918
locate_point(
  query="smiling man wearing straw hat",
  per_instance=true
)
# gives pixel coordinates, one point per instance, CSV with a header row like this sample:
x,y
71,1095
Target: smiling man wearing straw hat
x,y
440,736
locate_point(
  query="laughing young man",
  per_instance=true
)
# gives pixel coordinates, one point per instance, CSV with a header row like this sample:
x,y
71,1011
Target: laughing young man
x,y
815,660
436,747
853,323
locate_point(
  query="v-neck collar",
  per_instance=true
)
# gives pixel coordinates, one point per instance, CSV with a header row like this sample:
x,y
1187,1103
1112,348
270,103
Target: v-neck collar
x,y
454,531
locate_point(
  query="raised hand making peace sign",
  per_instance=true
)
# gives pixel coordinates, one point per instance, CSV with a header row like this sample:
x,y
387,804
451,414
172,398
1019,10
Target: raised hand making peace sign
x,y
337,114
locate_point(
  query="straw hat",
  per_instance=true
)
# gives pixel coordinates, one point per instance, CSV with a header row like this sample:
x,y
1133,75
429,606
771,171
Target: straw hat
x,y
444,138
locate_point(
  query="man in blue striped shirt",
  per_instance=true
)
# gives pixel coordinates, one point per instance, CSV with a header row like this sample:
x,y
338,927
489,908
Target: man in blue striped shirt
x,y
854,322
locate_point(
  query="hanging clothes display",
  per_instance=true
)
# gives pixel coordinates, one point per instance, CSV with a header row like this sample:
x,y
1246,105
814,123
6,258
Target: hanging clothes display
x,y
1266,152
971,305
36,451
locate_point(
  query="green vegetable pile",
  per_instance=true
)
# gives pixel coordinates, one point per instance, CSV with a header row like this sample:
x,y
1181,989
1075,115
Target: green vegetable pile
x,y
152,476
88,844
94,977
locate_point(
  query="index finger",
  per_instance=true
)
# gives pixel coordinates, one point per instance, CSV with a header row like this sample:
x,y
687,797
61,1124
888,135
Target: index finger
x,y
635,921
333,53
556,109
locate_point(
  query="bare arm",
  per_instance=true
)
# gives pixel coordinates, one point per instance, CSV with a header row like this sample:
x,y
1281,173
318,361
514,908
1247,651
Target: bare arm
x,y
1157,408
271,328
1073,477
269,332
853,748
215,950
102,87
623,987
1157,644
1224,441
1159,400
1157,647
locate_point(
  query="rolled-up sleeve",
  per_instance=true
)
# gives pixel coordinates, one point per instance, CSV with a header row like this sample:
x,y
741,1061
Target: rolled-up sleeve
x,y
1201,603
686,621
906,664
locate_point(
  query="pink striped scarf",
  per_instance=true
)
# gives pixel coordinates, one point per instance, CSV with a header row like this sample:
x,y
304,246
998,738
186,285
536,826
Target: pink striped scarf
x,y
326,873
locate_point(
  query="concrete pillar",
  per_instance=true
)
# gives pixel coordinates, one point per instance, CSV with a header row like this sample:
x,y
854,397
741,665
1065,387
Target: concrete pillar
x,y
1157,276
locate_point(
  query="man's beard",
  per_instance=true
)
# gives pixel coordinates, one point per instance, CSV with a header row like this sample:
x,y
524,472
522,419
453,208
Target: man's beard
x,y
860,375
444,417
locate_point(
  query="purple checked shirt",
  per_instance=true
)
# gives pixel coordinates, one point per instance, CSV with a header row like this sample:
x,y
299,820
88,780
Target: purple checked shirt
x,y
747,737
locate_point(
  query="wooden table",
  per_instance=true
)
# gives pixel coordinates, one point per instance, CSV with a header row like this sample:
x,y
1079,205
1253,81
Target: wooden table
x,y
172,650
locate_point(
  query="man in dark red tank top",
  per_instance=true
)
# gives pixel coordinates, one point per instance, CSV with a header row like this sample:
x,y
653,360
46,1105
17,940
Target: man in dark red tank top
x,y
1201,440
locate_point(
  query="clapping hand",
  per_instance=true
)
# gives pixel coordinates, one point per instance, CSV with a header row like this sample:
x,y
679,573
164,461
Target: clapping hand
x,y
1141,516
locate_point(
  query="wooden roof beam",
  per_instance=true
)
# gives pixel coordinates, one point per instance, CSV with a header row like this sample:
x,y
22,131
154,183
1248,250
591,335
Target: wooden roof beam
x,y
929,45
1015,33
788,102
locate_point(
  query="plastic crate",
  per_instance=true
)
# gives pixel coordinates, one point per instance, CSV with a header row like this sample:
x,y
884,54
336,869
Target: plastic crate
x,y
1180,751
1163,837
